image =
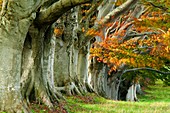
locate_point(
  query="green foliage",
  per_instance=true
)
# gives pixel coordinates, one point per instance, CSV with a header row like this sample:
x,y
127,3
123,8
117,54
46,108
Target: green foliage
x,y
157,7
158,4
165,78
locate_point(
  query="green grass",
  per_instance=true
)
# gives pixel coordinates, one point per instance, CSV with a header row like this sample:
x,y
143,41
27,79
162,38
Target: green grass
x,y
155,100
156,93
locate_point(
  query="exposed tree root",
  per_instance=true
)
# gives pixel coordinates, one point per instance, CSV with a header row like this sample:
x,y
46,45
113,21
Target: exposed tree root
x,y
76,88
89,87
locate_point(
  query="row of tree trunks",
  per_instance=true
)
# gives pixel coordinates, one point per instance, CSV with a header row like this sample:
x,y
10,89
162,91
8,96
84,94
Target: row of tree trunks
x,y
112,83
99,71
36,64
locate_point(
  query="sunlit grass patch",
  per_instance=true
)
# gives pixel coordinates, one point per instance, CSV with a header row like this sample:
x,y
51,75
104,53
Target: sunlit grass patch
x,y
156,93
111,106
156,100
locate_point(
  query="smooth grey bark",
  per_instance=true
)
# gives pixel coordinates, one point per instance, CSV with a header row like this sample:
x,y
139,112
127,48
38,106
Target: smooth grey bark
x,y
27,78
99,76
105,8
63,53
83,65
52,13
42,71
14,25
36,46
49,57
131,95
82,70
72,75
61,65
67,54
16,18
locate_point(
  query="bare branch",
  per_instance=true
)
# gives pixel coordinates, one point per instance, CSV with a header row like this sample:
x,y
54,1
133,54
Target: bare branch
x,y
141,34
112,16
52,13
145,68
105,8
129,35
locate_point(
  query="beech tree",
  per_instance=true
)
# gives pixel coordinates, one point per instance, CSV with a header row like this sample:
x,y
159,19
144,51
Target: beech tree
x,y
45,44
133,42
31,55
23,27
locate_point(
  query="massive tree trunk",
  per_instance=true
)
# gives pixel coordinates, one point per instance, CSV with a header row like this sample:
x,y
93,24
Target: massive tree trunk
x,y
99,71
83,68
37,64
13,30
69,75
23,60
10,53
15,22
35,77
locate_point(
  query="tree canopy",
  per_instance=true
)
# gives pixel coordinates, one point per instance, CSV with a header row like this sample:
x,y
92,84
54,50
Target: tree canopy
x,y
146,44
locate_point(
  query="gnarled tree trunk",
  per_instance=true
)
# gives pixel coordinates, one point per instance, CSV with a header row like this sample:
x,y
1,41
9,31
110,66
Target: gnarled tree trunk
x,y
13,29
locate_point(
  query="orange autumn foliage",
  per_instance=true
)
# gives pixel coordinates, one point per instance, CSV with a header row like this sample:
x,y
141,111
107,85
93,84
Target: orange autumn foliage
x,y
1,1
58,32
152,52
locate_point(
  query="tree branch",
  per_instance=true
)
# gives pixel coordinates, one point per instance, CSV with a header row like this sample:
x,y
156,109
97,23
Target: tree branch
x,y
129,35
110,17
145,68
141,34
52,13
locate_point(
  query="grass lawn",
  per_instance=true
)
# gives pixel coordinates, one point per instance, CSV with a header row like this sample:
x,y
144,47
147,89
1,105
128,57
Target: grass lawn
x,y
156,100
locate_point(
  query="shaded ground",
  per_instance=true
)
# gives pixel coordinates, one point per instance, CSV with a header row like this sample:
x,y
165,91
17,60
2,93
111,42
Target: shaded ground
x,y
156,100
